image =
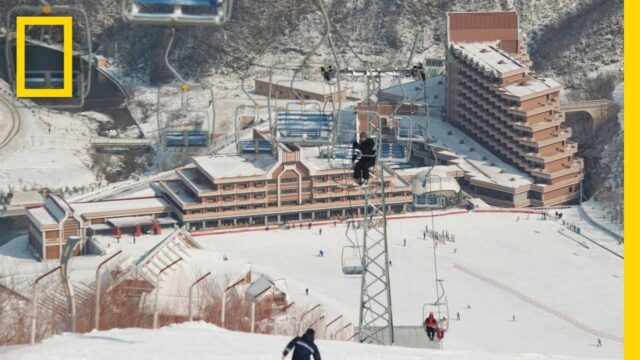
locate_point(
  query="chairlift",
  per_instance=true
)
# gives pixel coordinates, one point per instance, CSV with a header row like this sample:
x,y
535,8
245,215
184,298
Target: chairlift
x,y
352,260
439,308
189,135
256,146
177,12
304,127
186,138
410,128
52,78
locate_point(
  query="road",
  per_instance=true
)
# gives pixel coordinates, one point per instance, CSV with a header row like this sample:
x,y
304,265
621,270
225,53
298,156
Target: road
x,y
15,122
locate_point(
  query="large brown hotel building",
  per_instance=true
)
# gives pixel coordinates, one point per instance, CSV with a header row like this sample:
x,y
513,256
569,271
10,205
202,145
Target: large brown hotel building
x,y
494,97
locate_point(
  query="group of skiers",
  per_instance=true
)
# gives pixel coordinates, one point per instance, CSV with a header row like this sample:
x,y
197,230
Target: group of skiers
x,y
442,236
435,328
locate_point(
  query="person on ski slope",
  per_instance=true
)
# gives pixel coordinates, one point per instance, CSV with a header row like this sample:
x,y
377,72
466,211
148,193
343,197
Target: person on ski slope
x,y
303,347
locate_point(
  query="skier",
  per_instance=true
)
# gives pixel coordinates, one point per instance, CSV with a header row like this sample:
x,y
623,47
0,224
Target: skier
x,y
303,347
430,325
321,253
443,324
320,231
424,235
404,242
367,160
306,291
599,342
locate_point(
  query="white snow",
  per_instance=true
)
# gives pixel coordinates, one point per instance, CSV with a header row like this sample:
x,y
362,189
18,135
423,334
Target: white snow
x,y
50,150
198,340
563,295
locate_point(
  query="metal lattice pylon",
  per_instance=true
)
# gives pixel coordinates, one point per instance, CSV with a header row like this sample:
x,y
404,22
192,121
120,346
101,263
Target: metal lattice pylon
x,y
376,316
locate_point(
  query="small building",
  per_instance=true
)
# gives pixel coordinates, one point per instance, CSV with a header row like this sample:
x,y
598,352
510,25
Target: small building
x,y
282,88
53,223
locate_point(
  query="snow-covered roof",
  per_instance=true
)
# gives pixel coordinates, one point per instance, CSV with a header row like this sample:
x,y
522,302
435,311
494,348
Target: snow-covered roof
x,y
130,221
489,56
476,161
532,86
259,286
317,87
232,166
414,92
22,198
121,205
56,207
42,216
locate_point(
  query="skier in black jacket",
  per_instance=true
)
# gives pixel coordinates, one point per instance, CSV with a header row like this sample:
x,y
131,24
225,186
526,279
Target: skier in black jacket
x,y
367,147
304,347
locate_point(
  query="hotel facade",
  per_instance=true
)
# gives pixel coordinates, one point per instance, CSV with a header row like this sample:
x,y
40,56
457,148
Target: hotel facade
x,y
494,97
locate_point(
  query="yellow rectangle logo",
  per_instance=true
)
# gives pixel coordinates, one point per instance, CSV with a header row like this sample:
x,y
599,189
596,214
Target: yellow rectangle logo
x,y
67,52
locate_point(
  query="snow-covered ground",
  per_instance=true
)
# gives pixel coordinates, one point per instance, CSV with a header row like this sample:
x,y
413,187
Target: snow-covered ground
x,y
205,341
563,294
50,150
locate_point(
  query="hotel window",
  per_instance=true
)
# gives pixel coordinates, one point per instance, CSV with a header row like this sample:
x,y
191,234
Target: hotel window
x,y
289,180
289,191
227,198
273,192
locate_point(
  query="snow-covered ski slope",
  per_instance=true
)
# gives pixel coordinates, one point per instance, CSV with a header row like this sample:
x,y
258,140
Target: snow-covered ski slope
x,y
205,341
564,291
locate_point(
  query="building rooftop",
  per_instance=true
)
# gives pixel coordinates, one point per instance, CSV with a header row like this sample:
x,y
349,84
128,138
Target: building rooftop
x,y
413,92
89,208
500,26
318,87
42,216
22,198
473,158
218,167
533,86
490,57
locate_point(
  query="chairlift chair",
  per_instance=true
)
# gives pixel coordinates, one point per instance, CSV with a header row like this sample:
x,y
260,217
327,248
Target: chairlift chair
x,y
410,128
439,308
52,78
185,136
303,126
352,260
253,146
177,12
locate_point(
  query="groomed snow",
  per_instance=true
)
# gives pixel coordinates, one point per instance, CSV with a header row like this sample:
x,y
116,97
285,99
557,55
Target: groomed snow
x,y
563,295
199,340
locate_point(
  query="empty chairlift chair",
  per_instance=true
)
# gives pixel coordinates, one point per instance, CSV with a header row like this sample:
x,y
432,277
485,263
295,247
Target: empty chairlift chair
x,y
255,147
177,12
409,129
392,152
351,260
305,127
186,138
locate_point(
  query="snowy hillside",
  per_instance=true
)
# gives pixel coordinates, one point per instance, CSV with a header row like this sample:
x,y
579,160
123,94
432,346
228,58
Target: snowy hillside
x,y
205,341
563,290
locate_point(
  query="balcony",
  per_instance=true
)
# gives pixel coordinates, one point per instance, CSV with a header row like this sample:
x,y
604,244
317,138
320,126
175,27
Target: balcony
x,y
570,149
557,136
546,174
549,106
557,120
